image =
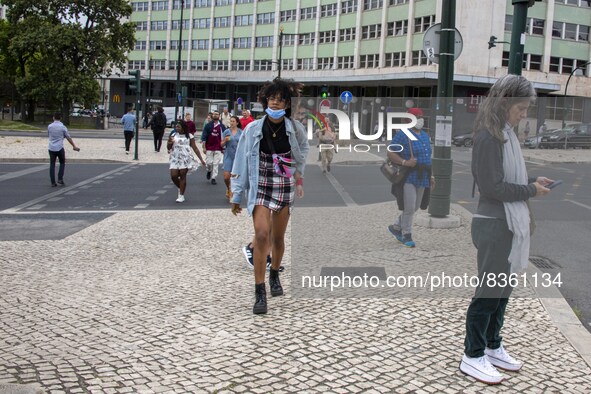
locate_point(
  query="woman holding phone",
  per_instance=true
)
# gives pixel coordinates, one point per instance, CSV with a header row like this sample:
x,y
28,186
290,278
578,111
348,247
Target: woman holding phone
x,y
179,144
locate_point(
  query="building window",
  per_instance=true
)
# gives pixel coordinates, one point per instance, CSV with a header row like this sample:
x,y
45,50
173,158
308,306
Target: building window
x,y
397,2
535,26
174,44
242,42
508,22
202,3
289,40
554,64
288,15
176,4
263,65
201,23
141,6
395,59
369,61
347,34
306,64
557,29
221,43
325,63
423,23
372,4
219,65
159,25
344,62
140,45
243,20
158,64
136,65
307,38
371,31
244,1
570,31
398,28
348,6
241,65
157,45
583,33
308,13
200,44
327,36
329,10
220,3
174,24
141,25
419,59
287,64
159,5
223,21
199,65
266,18
535,62
264,42
505,59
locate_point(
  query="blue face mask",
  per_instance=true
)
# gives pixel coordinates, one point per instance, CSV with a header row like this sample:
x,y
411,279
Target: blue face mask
x,y
275,114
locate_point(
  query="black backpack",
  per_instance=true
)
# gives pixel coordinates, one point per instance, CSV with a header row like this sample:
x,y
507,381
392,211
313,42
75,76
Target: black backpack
x,y
159,120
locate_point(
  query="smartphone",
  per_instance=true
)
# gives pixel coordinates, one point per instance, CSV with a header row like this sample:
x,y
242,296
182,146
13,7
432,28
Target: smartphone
x,y
172,134
554,184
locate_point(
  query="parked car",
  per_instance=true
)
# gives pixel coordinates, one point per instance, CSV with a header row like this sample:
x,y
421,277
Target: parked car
x,y
463,140
533,142
573,136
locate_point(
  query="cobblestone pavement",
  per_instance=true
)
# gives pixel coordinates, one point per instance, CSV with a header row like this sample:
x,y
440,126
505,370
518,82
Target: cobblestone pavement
x,y
124,306
160,302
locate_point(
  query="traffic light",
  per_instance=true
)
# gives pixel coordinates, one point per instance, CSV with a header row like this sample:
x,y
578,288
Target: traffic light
x,y
492,42
324,92
135,84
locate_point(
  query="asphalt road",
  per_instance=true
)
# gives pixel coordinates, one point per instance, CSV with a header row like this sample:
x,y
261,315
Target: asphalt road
x,y
31,209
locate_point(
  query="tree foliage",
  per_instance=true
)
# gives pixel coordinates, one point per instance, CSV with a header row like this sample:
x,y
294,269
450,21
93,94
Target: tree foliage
x,y
58,48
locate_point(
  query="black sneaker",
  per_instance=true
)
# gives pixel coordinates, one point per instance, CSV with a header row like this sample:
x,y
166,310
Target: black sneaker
x,y
396,233
208,175
61,183
213,182
54,185
248,253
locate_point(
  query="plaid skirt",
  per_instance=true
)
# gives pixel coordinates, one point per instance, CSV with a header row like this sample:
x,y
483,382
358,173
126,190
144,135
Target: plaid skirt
x,y
274,191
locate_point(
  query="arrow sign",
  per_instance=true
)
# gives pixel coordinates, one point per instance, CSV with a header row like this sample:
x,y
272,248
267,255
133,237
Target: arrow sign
x,y
346,97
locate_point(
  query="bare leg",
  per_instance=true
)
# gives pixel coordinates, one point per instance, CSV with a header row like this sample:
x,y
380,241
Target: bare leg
x,y
262,226
183,180
279,225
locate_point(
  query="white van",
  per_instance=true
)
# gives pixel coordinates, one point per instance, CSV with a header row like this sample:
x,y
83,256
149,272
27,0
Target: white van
x,y
169,112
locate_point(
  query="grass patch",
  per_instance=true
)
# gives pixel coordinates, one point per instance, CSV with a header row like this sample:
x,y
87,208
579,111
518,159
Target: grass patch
x,y
18,126
577,312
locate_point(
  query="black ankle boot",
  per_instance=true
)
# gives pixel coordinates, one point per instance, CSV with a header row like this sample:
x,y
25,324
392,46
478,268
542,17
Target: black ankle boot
x,y
274,283
260,303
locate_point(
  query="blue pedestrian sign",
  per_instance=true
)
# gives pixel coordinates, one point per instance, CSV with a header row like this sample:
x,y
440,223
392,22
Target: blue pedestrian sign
x,y
179,97
346,97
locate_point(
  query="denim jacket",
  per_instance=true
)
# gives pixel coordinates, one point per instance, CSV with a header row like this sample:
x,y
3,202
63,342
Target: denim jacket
x,y
245,172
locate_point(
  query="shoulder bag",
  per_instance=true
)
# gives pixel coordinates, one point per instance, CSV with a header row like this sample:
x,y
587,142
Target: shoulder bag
x,y
396,173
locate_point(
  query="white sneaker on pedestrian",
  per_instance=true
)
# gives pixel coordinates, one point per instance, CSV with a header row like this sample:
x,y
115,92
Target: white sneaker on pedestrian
x,y
501,359
481,369
181,198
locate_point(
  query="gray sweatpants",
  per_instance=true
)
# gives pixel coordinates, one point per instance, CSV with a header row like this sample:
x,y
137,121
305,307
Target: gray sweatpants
x,y
412,196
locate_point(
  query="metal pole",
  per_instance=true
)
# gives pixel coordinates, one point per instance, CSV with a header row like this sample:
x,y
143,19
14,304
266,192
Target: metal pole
x,y
178,66
138,97
440,200
280,47
564,100
148,93
518,36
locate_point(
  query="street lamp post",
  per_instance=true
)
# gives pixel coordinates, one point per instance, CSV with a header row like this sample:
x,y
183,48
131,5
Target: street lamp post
x,y
148,93
178,65
564,101
280,47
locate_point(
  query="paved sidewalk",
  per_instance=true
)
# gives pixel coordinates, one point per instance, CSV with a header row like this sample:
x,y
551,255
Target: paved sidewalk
x,y
124,307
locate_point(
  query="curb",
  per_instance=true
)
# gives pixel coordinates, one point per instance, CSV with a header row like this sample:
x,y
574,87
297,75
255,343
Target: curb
x,y
46,161
559,310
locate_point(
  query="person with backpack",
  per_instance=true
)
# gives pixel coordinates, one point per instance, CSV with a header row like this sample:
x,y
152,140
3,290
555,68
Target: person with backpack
x,y
158,124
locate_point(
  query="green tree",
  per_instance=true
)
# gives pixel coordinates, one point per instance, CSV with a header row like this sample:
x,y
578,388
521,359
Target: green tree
x,y
61,47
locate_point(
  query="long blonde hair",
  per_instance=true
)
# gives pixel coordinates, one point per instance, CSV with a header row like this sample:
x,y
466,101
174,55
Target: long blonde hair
x,y
505,92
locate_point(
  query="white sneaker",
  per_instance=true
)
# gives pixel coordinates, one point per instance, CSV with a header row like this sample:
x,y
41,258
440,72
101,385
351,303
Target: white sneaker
x,y
181,198
501,359
480,369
